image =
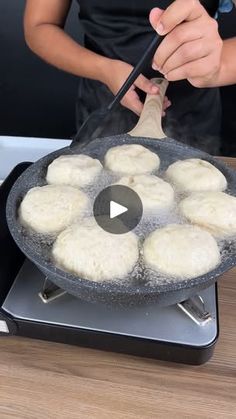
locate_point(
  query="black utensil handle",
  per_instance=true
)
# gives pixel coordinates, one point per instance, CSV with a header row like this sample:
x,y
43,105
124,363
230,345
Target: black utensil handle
x,y
147,56
90,128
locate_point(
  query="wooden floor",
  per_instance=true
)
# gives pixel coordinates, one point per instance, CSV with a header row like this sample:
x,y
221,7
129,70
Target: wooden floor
x,y
43,380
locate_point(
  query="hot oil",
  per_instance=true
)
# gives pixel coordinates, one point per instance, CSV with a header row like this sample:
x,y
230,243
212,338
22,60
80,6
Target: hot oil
x,y
141,274
150,221
105,179
227,248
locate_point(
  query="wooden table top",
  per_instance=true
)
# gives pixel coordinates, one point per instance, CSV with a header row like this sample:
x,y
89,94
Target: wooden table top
x,y
49,380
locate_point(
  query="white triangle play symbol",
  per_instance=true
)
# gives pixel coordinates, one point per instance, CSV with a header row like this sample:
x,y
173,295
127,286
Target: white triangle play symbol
x,y
116,209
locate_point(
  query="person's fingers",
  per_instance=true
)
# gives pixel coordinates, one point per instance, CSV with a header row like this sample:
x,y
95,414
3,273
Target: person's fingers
x,y
154,16
166,103
195,71
191,51
188,31
164,107
132,101
146,85
178,12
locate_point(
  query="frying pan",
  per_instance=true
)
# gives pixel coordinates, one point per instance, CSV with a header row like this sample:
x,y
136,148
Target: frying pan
x,y
148,132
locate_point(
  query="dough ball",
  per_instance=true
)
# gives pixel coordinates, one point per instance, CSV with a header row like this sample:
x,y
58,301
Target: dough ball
x,y
131,159
195,175
215,211
183,251
76,170
50,209
155,193
88,251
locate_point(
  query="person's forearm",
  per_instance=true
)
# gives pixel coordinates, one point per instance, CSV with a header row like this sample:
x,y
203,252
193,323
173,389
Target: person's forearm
x,y
57,48
53,45
227,73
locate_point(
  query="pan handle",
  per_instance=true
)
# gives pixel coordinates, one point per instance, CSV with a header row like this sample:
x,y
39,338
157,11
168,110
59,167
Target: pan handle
x,y
149,124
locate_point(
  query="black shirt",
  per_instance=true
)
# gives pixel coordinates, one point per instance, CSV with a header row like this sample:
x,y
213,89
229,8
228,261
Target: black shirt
x,y
120,29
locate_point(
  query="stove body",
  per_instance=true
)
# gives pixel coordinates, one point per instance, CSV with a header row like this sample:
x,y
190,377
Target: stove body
x,y
164,333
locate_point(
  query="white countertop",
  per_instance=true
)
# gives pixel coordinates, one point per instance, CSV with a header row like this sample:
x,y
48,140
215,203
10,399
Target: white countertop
x,y
14,150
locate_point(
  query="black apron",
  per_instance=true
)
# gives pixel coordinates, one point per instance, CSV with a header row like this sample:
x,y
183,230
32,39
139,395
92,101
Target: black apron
x,y
120,29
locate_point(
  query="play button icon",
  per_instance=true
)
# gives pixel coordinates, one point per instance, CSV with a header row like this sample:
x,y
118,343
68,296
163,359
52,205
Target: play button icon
x,y
117,209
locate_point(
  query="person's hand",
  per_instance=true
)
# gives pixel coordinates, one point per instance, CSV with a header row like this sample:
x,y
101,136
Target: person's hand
x,y
114,77
192,45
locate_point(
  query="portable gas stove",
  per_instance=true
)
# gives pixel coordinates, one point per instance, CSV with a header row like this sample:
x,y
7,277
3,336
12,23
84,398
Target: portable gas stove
x,y
31,306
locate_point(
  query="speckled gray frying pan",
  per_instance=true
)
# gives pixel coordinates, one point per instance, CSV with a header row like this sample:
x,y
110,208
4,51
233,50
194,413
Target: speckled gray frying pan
x,y
148,132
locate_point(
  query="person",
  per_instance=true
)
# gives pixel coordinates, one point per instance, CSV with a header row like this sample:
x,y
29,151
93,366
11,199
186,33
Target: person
x,y
116,34
203,61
